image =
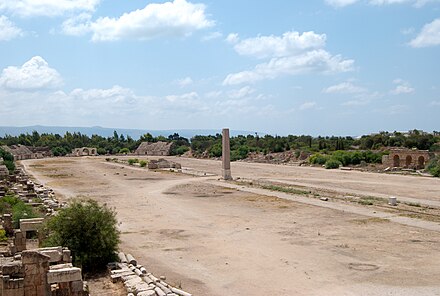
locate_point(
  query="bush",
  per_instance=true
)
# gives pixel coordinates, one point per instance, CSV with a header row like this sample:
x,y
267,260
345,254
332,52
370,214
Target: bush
x,y
18,209
318,159
124,151
434,167
332,164
143,163
3,236
132,161
88,230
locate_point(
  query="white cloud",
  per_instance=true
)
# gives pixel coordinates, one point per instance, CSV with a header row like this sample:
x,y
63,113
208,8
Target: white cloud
x,y
241,93
178,18
28,8
340,3
344,88
343,3
311,61
34,74
8,30
307,105
429,36
185,81
402,87
280,46
78,25
435,103
212,36
232,38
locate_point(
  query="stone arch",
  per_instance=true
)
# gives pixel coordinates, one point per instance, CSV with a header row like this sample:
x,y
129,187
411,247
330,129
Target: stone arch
x,y
408,160
421,162
396,161
85,151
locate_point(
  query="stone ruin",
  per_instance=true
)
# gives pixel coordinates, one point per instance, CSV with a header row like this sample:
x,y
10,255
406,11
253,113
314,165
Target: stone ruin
x,y
138,281
406,158
4,172
154,149
41,272
35,272
162,163
84,151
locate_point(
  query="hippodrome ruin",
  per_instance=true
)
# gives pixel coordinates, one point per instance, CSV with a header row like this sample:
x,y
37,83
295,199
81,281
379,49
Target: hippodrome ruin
x,y
207,227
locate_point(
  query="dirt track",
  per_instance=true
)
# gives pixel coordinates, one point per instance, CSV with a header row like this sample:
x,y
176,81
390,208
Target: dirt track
x,y
220,241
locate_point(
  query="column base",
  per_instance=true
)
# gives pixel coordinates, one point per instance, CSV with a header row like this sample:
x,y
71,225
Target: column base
x,y
226,174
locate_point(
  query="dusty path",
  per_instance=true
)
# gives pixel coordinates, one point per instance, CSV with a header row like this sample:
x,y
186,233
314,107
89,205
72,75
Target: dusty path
x,y
216,240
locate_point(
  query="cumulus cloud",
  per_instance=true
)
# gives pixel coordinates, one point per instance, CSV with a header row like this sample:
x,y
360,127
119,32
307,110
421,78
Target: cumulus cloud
x,y
429,36
289,43
343,3
310,61
340,3
232,38
212,36
185,81
33,75
343,88
241,93
308,105
178,18
78,25
8,30
29,8
402,87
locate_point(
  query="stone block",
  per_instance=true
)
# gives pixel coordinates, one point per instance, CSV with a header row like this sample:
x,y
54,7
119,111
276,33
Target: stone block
x,y
64,275
77,286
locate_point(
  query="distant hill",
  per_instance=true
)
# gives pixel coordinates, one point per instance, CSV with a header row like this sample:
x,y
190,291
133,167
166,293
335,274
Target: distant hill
x,y
107,132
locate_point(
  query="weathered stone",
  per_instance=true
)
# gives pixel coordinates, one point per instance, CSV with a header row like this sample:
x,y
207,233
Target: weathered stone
x,y
226,155
131,259
122,257
180,292
64,275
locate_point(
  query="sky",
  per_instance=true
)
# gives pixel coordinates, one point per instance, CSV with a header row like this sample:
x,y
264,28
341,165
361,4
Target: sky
x,y
319,67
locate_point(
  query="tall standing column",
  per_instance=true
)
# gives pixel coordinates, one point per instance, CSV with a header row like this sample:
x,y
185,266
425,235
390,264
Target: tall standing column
x,y
226,155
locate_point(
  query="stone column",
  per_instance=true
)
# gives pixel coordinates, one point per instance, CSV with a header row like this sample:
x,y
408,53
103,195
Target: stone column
x,y
226,155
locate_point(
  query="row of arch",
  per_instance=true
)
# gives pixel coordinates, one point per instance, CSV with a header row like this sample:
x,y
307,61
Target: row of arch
x,y
408,161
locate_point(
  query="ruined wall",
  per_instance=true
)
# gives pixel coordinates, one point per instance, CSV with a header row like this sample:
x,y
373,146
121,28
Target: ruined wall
x,y
406,158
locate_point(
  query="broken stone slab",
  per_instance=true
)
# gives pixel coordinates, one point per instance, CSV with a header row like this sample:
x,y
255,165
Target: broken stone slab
x,y
64,275
131,259
122,257
142,287
147,293
180,292
163,288
159,291
139,273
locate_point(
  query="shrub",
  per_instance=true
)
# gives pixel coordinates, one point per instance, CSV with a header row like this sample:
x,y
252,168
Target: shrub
x,y
332,164
143,163
132,161
433,167
88,230
19,210
318,159
3,236
124,151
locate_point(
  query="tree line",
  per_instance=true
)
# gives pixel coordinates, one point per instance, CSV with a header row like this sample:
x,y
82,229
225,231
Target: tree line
x,y
241,146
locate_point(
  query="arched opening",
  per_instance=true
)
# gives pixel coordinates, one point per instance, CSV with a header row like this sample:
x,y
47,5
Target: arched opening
x,y
396,161
421,162
408,161
85,151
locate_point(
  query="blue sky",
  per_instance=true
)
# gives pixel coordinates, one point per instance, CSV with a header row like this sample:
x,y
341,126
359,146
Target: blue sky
x,y
328,67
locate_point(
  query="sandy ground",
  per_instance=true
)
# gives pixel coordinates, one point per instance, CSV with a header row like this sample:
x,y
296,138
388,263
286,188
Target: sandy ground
x,y
216,240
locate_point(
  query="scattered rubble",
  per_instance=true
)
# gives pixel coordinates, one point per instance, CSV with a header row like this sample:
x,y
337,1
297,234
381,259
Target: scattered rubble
x,y
138,281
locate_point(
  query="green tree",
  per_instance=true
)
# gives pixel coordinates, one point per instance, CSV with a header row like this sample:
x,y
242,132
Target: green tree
x,y
88,230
